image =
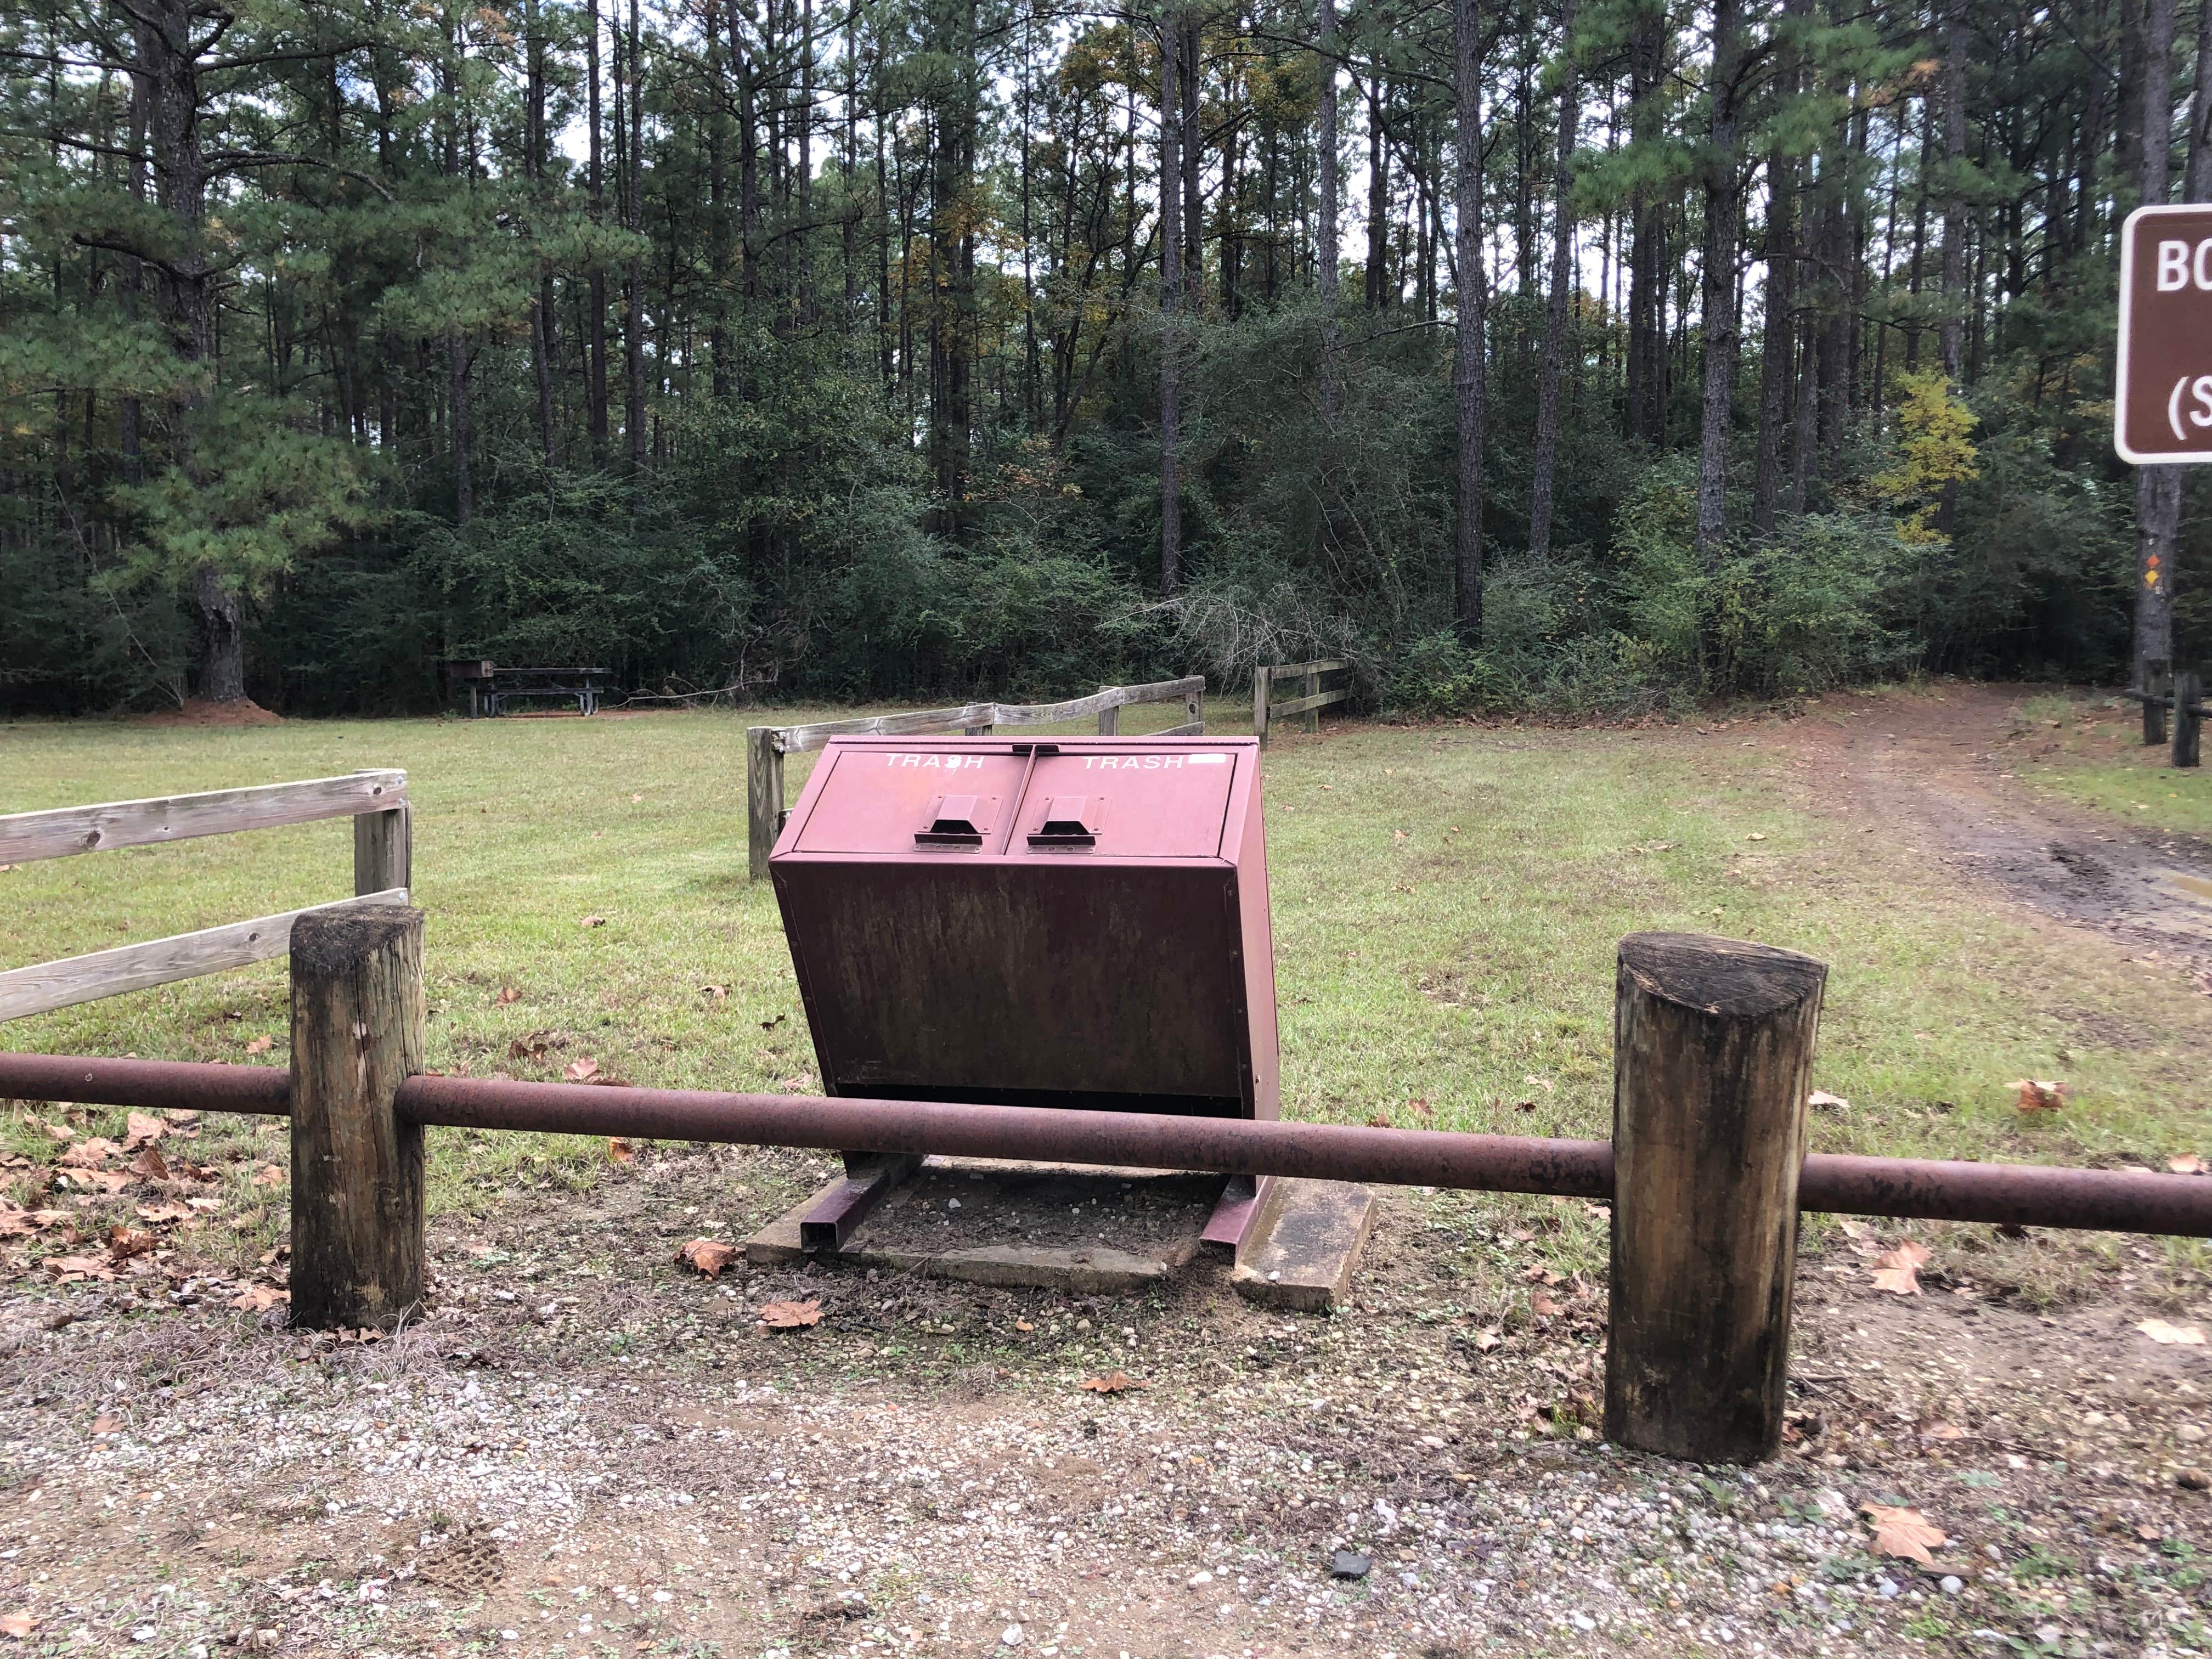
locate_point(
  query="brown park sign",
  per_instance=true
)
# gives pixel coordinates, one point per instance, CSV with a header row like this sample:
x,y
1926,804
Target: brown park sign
x,y
2162,399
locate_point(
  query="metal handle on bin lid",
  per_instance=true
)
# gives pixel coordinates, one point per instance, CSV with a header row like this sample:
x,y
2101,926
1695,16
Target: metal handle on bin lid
x,y
956,821
1070,822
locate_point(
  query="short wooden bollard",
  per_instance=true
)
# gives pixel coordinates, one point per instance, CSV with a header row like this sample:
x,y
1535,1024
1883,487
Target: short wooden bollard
x,y
1713,1051
357,1032
2157,681
2188,695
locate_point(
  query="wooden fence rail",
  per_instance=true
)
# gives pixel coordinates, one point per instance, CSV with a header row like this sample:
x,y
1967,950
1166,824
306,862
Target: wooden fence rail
x,y
383,857
2183,694
767,745
1268,712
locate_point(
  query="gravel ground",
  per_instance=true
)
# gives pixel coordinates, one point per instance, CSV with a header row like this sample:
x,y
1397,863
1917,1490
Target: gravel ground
x,y
587,1449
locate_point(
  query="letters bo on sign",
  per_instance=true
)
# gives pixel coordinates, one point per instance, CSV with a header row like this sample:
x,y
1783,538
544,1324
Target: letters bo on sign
x,y
2162,401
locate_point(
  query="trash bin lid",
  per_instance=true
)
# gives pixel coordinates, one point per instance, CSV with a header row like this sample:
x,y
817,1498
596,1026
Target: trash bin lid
x,y
939,799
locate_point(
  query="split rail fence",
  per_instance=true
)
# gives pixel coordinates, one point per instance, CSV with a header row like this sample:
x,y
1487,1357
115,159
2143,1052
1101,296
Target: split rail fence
x,y
1706,1172
1305,708
383,858
767,745
2182,695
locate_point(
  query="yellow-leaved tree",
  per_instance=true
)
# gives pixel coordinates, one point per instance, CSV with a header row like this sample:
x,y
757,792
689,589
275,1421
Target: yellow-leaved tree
x,y
1934,451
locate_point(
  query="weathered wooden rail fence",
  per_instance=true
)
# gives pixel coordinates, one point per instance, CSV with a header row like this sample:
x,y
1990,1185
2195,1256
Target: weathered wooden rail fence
x,y
1706,1171
383,859
767,745
2182,695
1305,708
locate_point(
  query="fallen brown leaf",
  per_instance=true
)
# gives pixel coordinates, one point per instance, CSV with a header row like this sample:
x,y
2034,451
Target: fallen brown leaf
x,y
270,1175
708,1256
67,1268
582,1069
1378,1121
2187,1163
594,921
791,1315
1541,1304
141,1128
1486,1341
1898,1271
89,1154
1903,1533
2036,1094
161,1214
621,1151
2158,1330
257,1298
719,993
124,1242
1821,1101
17,1624
180,1115
150,1165
106,1423
506,994
107,1180
1113,1382
261,1045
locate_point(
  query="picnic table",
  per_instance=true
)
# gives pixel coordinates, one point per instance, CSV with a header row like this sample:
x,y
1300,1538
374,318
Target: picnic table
x,y
493,690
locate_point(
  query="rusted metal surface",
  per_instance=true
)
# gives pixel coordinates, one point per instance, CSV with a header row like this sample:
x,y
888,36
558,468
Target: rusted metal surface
x,y
1507,1163
870,1178
152,1084
2027,1195
1075,923
2010,1194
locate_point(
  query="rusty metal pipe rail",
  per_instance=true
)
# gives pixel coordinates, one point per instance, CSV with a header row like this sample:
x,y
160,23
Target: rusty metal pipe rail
x,y
2027,1195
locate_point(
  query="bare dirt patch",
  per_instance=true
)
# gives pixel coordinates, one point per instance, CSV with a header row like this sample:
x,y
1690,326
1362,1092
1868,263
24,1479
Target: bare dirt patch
x,y
198,711
1936,774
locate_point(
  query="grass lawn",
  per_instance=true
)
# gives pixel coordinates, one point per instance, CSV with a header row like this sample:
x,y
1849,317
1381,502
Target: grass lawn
x,y
2088,748
1446,904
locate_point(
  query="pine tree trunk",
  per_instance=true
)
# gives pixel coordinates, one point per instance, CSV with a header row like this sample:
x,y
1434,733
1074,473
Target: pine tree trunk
x,y
1468,364
634,320
1779,303
1327,232
1647,322
1723,201
1543,467
1170,304
1190,67
595,322
2158,489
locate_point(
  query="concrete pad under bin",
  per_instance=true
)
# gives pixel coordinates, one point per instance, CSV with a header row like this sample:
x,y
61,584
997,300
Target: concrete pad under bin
x,y
1030,1224
1304,1244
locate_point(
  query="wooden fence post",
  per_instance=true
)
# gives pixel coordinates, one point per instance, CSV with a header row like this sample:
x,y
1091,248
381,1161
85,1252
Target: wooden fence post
x,y
2188,694
763,797
1109,720
1713,1048
1263,683
1193,708
383,851
357,1032
2157,681
1311,687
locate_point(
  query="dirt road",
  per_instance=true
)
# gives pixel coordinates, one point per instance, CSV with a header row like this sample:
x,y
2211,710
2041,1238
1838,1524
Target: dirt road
x,y
1939,775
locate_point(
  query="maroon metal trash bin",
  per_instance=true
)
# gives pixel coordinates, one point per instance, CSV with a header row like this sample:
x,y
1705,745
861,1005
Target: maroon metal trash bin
x,y
1065,922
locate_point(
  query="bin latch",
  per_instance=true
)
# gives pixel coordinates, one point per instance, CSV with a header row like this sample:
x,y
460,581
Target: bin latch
x,y
1071,823
956,821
